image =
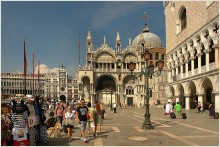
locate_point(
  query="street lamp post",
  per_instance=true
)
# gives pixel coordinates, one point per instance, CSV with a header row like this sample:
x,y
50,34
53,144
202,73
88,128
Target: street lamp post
x,y
148,72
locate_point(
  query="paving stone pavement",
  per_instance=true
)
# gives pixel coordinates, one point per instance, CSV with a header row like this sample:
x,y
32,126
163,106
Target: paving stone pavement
x,y
124,129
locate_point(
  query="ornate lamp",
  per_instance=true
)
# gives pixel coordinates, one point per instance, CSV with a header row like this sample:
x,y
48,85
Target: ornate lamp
x,y
148,72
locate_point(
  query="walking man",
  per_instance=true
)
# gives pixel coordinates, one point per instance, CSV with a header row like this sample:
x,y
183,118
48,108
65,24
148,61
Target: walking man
x,y
81,116
178,109
114,107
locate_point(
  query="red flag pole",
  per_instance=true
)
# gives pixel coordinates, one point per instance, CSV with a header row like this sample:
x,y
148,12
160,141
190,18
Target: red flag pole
x,y
39,75
33,70
25,69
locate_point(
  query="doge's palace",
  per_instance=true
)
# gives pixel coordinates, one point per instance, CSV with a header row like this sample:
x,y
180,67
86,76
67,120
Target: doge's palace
x,y
192,39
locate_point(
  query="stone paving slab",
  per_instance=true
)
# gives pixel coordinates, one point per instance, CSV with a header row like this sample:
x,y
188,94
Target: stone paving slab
x,y
124,129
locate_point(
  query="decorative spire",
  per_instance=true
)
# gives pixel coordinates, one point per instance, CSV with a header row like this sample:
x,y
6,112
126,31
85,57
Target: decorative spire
x,y
118,37
146,29
104,40
89,36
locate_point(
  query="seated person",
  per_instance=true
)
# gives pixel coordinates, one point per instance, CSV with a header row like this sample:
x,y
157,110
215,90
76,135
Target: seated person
x,y
198,107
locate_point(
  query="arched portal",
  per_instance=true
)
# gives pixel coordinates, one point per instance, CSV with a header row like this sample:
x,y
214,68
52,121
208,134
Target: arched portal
x,y
130,91
106,90
191,90
205,86
180,93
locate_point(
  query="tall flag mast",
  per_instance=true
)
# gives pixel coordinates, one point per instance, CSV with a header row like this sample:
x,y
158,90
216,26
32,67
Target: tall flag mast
x,y
38,75
25,69
33,70
79,48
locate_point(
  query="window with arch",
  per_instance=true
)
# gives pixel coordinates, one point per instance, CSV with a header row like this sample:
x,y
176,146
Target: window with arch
x,y
183,19
151,56
162,56
156,56
184,67
181,23
203,57
212,53
129,90
195,60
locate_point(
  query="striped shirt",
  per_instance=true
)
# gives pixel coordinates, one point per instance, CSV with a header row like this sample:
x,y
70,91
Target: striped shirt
x,y
19,120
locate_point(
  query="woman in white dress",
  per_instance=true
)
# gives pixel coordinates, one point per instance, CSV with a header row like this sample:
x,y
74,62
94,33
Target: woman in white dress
x,y
69,119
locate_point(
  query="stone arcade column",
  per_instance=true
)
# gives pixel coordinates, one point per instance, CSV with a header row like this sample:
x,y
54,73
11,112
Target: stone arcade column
x,y
199,63
186,69
181,70
216,101
191,50
200,98
187,102
207,59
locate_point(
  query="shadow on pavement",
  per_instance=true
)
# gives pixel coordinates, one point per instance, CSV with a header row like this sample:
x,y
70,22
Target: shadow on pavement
x,y
58,142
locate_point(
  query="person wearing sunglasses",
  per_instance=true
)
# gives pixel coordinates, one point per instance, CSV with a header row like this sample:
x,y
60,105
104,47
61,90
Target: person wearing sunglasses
x,y
69,118
81,116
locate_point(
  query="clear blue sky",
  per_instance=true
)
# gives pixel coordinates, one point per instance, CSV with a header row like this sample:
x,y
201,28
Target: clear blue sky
x,y
52,29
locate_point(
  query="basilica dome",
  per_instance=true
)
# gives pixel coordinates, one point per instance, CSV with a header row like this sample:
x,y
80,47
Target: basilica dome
x,y
151,39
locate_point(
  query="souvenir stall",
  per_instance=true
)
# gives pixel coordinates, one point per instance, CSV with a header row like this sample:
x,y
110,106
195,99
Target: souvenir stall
x,y
6,125
20,124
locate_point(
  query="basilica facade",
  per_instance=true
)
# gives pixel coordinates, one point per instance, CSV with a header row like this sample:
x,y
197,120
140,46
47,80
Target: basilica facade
x,y
192,45
106,76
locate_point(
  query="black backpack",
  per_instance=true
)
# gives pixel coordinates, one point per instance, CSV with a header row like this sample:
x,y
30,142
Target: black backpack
x,y
51,122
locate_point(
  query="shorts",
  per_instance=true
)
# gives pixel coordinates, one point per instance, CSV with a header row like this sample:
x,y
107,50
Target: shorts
x,y
90,124
69,126
60,119
83,125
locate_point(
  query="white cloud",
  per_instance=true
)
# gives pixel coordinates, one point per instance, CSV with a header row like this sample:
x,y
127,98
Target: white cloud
x,y
19,72
104,15
44,69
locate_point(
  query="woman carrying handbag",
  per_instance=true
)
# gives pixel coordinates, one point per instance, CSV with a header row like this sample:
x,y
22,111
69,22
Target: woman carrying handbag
x,y
69,120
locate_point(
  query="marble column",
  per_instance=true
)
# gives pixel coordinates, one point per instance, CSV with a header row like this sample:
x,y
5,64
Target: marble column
x,y
177,70
200,98
216,101
187,102
187,69
181,70
177,99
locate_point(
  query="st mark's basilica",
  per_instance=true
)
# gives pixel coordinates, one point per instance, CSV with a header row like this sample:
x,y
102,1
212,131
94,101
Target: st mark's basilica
x,y
106,76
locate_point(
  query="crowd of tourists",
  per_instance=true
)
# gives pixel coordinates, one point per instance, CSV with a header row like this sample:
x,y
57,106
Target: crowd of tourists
x,y
199,108
24,123
87,117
